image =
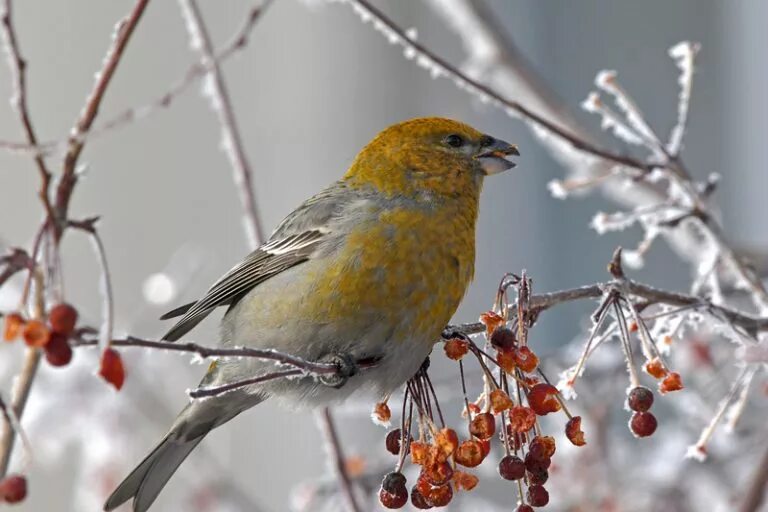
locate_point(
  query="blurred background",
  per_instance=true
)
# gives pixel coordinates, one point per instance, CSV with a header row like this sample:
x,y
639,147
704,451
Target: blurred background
x,y
311,88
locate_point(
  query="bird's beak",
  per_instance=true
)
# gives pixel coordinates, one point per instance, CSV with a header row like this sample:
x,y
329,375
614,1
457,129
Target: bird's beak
x,y
493,157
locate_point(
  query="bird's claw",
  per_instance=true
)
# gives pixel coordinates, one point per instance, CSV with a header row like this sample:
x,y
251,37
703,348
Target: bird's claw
x,y
346,367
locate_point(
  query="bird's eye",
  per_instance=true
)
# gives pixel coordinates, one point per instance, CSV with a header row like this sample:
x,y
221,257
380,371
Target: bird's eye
x,y
455,141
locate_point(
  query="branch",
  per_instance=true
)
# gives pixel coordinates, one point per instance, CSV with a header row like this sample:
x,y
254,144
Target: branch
x,y
220,102
19,98
15,261
122,35
325,419
755,493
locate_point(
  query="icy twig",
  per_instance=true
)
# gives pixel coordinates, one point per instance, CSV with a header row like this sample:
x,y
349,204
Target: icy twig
x,y
684,54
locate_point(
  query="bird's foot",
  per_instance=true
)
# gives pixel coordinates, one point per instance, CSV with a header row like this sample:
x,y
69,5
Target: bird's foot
x,y
346,367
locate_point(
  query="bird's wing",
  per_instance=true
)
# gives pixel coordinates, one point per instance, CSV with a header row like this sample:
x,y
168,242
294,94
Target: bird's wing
x,y
293,242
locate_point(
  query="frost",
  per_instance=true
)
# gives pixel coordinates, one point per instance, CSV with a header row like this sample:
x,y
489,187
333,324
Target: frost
x,y
557,189
696,452
684,54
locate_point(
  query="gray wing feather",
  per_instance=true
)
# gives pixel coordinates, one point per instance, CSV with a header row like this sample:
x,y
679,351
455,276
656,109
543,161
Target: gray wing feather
x,y
292,243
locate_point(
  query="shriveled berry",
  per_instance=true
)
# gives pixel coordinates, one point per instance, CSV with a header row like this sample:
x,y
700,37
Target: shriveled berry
x,y
640,399
13,489
438,473
463,480
447,441
63,319
111,368
503,338
672,382
573,431
483,425
535,463
524,508
392,441
57,351
419,452
381,414
491,321
36,333
14,323
643,424
655,368
511,467
506,361
542,447
537,496
521,419
456,348
500,401
543,399
418,500
526,360
538,477
440,496
469,453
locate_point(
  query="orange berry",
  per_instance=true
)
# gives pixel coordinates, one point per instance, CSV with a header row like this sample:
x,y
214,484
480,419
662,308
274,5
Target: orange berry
x,y
500,401
491,321
483,425
439,473
62,319
14,323
506,361
469,453
672,382
655,368
526,360
573,431
633,327
521,419
456,348
111,368
465,481
36,334
381,414
447,441
542,399
419,452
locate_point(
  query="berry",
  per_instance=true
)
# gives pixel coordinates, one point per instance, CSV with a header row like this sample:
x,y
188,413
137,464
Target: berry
x,y
392,441
111,368
503,339
57,351
538,477
543,399
511,467
13,489
439,473
14,323
447,441
506,361
381,414
500,401
393,493
534,463
521,419
542,447
440,496
469,453
655,368
419,452
36,334
466,481
640,399
524,508
671,382
491,321
63,319
573,431
418,500
483,426
456,348
537,496
526,360
643,424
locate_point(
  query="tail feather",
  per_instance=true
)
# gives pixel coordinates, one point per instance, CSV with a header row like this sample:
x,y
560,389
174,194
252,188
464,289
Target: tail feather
x,y
148,479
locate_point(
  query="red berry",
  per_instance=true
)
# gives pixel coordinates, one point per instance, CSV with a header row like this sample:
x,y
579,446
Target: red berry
x,y
57,351
438,473
542,447
538,477
511,467
643,424
543,399
393,493
537,496
392,441
526,360
418,500
469,453
640,399
503,338
440,496
534,463
456,348
573,431
483,426
63,319
111,368
13,489
524,508
521,419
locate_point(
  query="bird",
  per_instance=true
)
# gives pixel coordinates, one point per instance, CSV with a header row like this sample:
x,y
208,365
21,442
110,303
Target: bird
x,y
372,268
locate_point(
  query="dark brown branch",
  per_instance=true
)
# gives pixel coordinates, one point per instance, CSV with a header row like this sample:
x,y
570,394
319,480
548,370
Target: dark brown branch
x,y
328,428
13,262
123,33
222,105
19,100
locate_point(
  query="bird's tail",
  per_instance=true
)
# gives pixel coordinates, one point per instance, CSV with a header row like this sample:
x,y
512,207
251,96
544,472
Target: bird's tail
x,y
197,419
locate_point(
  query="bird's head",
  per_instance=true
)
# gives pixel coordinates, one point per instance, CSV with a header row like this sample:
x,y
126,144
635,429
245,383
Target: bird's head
x,y
430,156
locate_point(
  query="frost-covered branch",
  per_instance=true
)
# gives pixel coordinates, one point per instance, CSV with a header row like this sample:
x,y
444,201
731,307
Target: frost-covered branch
x,y
215,89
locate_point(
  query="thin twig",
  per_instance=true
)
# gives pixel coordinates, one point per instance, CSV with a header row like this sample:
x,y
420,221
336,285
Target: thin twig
x,y
754,496
325,419
122,36
232,142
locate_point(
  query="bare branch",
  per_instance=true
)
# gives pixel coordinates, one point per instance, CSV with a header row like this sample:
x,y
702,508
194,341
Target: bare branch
x,y
328,428
221,104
